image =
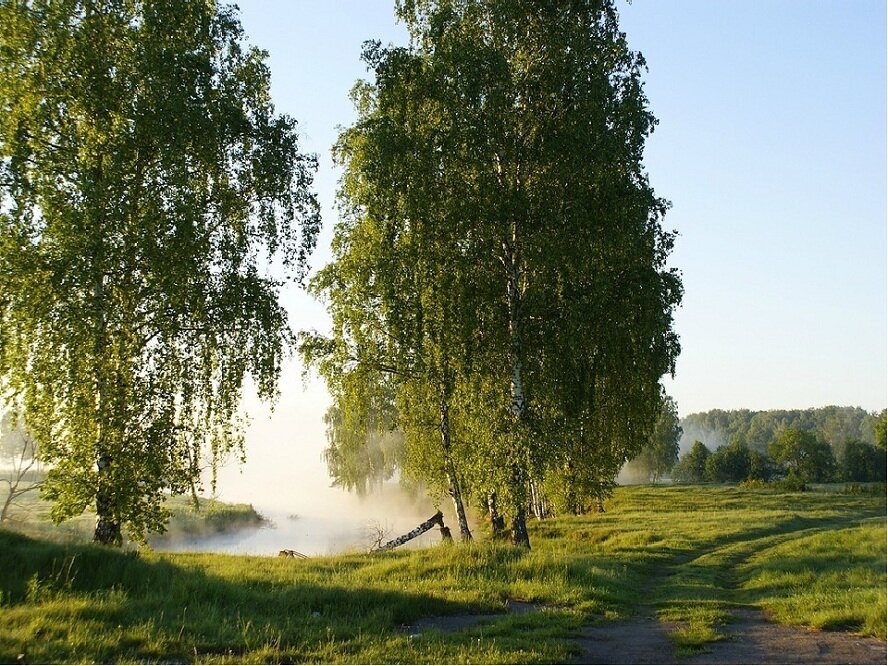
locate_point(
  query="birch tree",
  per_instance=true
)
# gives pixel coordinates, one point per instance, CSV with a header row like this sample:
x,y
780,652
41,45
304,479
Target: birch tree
x,y
575,318
501,246
18,459
146,183
394,285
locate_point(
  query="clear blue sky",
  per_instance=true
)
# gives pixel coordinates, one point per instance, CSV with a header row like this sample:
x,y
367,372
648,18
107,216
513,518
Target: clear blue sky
x,y
771,146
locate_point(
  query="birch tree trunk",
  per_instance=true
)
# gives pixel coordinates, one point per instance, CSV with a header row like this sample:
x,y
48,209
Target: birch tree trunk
x,y
422,528
107,530
453,483
516,387
497,524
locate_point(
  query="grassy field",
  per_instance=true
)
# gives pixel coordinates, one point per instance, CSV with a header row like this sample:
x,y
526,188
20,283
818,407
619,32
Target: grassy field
x,y
687,553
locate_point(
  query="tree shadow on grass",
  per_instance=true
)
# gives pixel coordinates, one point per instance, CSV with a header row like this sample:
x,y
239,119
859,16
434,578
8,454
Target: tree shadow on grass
x,y
87,603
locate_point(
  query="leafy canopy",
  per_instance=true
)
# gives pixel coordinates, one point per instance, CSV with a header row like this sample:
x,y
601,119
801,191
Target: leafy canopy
x,y
145,184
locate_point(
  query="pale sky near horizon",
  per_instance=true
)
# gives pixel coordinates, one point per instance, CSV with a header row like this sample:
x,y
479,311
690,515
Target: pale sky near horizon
x,y
771,147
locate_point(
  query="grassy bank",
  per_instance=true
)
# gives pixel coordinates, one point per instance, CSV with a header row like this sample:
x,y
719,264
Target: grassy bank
x,y
31,517
690,553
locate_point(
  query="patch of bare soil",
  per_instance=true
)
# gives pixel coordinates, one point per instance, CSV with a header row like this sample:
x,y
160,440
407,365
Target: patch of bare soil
x,y
750,639
640,640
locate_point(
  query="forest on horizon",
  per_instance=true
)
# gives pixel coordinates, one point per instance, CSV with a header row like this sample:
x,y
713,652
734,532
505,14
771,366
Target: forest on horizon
x,y
833,424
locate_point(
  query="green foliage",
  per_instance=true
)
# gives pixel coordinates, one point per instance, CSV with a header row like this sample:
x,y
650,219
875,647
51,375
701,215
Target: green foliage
x,y
145,183
834,425
863,462
728,463
803,455
33,518
363,450
760,467
736,462
880,430
500,262
791,483
691,466
660,454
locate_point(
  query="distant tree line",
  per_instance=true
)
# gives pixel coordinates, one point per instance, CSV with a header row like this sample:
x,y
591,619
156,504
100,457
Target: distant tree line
x,y
814,445
834,425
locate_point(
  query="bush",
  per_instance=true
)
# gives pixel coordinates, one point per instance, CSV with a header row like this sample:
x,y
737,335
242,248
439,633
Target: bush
x,y
791,483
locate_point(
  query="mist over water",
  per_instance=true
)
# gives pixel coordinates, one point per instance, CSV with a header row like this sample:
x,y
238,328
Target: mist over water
x,y
286,480
318,533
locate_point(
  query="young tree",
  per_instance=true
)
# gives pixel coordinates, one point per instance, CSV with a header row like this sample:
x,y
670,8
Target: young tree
x,y
691,467
661,453
361,453
18,458
394,285
880,429
146,183
862,462
729,463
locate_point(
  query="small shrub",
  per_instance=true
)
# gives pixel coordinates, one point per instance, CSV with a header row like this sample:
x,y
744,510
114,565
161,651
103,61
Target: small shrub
x,y
791,483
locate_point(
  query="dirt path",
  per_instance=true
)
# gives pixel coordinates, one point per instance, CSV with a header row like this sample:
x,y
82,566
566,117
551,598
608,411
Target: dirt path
x,y
751,639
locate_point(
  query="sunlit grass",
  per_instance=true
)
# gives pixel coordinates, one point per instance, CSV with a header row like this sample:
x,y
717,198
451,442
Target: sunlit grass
x,y
828,580
688,554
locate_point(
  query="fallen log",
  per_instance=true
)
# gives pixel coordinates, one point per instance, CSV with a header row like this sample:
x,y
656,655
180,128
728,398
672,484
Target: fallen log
x,y
422,528
292,553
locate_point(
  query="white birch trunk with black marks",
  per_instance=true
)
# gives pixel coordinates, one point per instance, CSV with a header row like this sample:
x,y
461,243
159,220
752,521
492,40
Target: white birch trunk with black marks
x,y
453,489
422,528
516,386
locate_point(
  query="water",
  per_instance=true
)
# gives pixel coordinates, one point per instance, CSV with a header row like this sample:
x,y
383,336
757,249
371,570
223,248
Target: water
x,y
286,480
309,535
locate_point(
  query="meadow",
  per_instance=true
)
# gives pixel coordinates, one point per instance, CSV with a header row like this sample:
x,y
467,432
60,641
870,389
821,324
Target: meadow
x,y
687,553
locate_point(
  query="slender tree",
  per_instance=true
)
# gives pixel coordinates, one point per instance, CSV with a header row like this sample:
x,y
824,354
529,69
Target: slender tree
x,y
660,453
18,458
691,466
146,181
394,285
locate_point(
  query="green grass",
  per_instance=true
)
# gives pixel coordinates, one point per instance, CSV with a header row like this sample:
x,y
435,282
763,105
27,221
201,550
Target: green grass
x,y
687,553
828,580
